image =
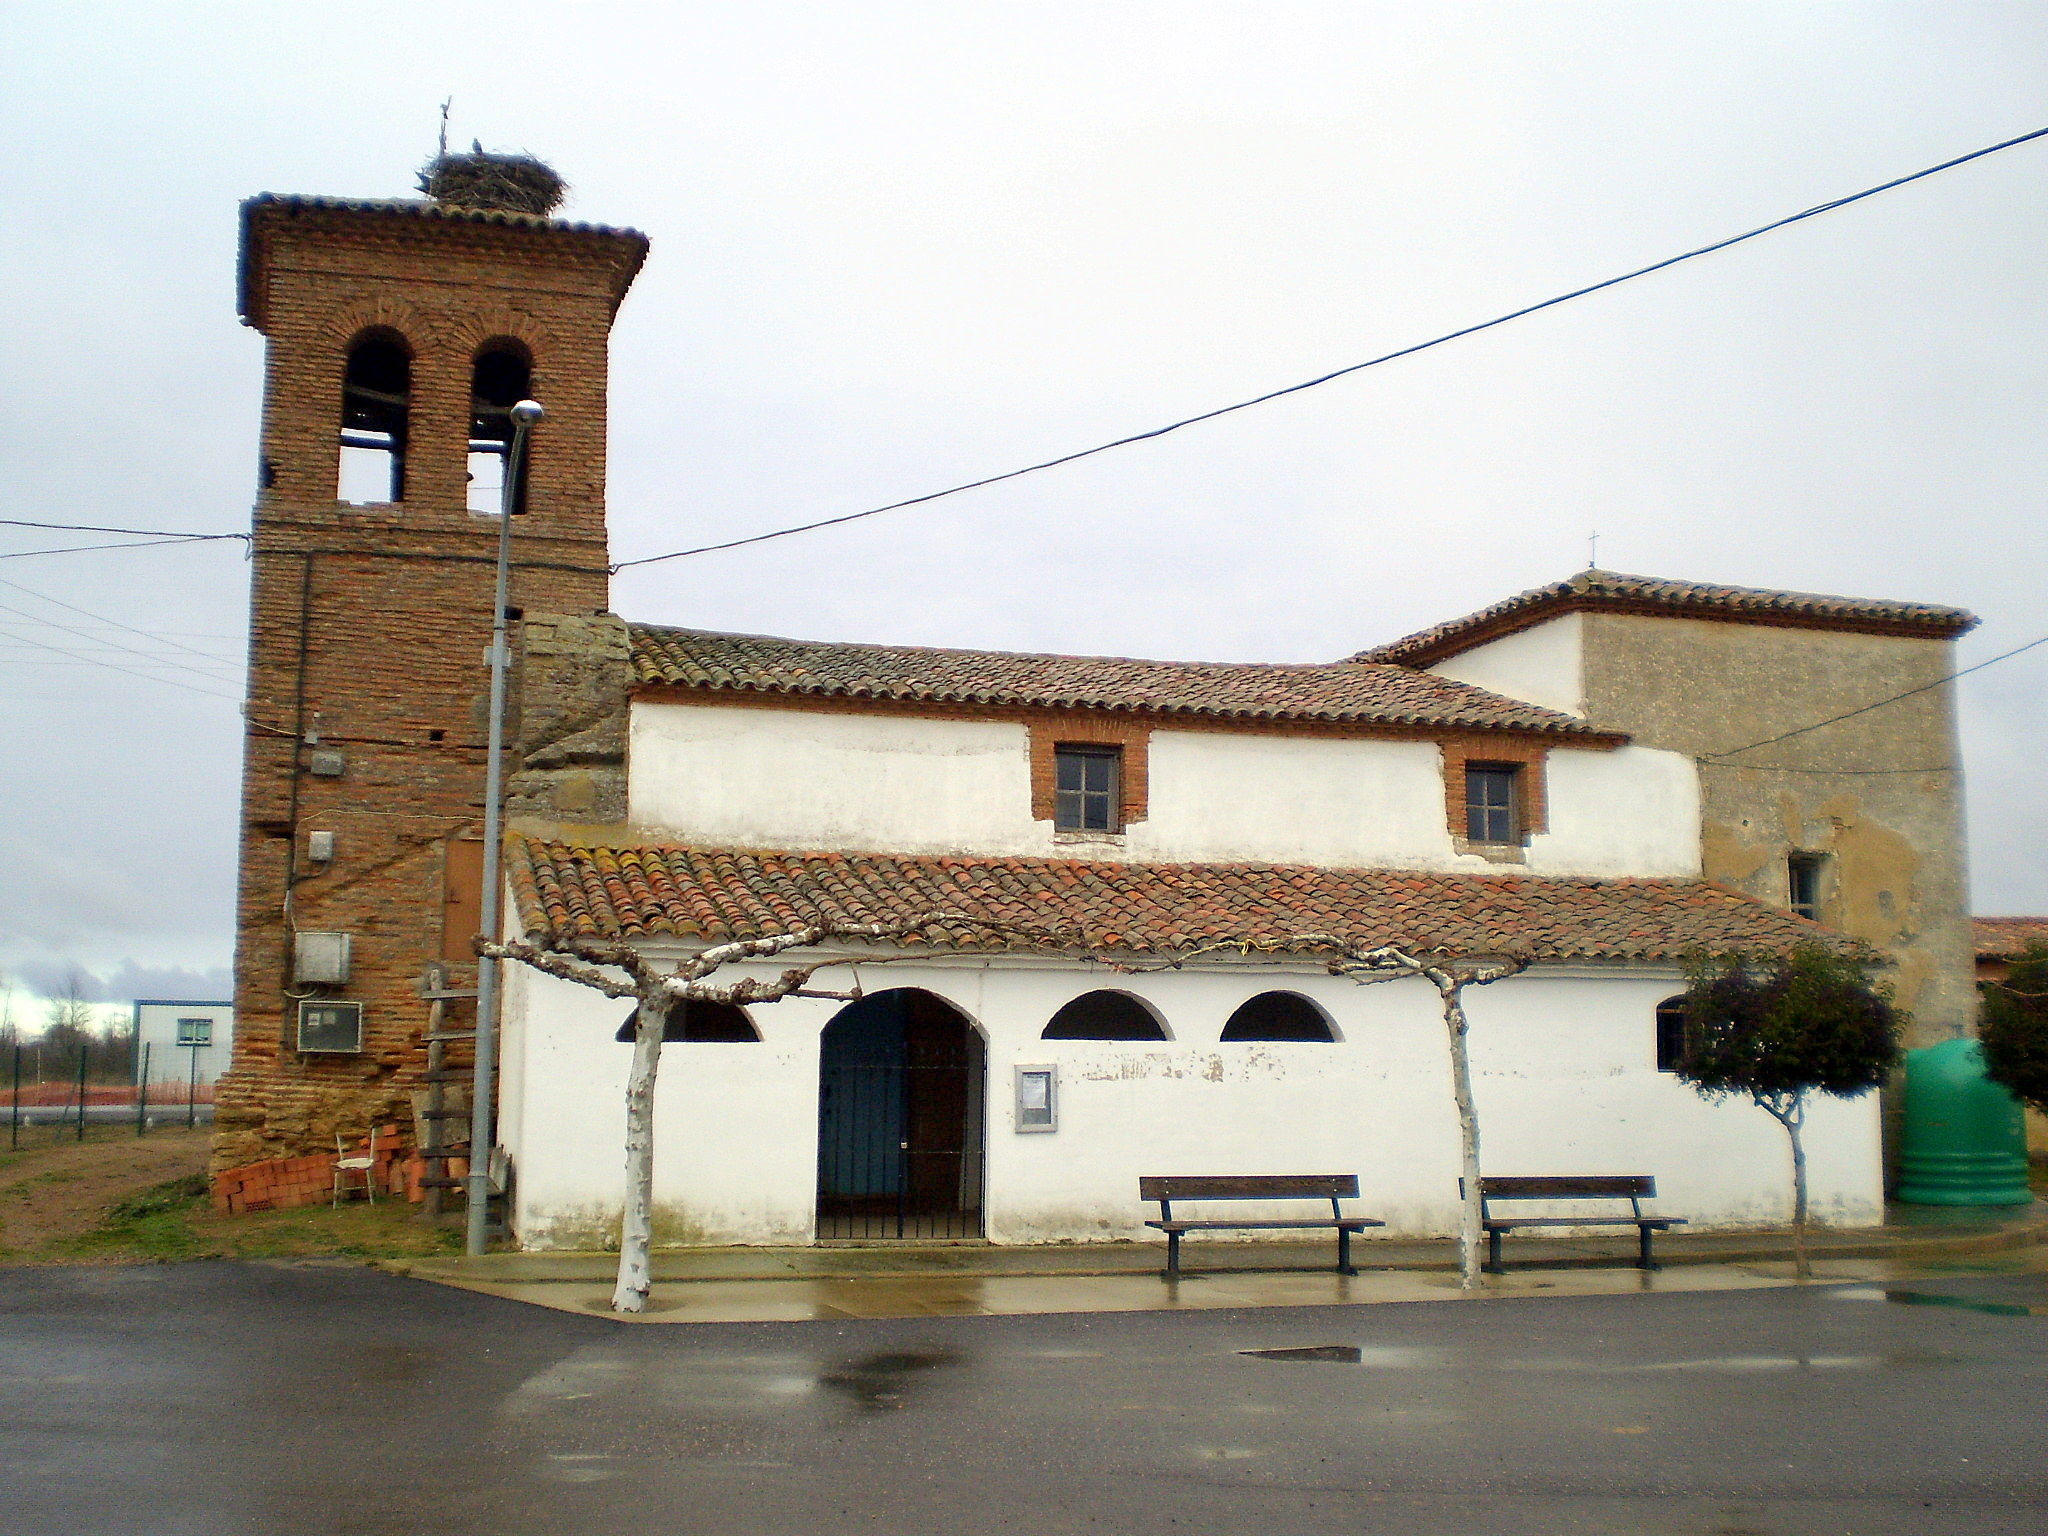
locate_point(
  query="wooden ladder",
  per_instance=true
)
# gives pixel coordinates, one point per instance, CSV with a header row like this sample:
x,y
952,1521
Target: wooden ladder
x,y
437,1148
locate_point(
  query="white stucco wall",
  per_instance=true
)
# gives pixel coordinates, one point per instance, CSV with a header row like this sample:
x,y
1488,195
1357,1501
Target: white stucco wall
x,y
1565,1083
1543,664
793,778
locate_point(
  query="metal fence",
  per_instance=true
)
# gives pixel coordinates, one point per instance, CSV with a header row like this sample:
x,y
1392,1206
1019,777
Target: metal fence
x,y
48,1099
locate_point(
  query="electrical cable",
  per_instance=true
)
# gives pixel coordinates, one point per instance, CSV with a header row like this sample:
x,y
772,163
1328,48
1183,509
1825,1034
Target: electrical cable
x,y
160,638
1388,357
115,645
140,533
74,549
168,682
1716,757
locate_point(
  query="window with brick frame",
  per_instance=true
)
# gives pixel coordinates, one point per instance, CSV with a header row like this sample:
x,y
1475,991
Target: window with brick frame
x,y
1803,873
1492,796
1087,788
376,407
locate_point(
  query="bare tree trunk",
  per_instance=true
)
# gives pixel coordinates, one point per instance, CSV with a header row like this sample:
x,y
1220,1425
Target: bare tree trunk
x,y
636,1227
1795,1121
1455,1025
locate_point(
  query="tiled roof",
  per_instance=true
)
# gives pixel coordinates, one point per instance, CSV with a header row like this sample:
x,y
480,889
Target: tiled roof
x,y
1611,592
1341,692
419,210
716,894
2002,938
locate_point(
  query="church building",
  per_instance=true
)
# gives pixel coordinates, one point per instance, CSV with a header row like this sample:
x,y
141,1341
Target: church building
x,y
1147,859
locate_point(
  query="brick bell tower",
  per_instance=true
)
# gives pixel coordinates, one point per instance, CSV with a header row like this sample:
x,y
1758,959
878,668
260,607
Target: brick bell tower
x,y
398,335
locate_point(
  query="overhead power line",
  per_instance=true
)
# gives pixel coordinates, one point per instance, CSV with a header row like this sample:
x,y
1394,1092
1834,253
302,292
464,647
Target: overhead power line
x,y
160,637
168,682
1717,758
141,533
73,549
1387,357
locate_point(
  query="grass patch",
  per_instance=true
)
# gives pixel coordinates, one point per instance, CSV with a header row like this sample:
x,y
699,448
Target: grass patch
x,y
155,1224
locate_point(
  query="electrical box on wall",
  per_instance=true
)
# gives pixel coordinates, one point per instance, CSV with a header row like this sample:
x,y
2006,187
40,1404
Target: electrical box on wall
x,y
320,847
1038,1107
334,1027
321,958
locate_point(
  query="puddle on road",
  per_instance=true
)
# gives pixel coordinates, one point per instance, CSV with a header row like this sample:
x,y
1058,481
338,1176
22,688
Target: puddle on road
x,y
1337,1354
1400,1357
880,1383
1902,1298
1968,1304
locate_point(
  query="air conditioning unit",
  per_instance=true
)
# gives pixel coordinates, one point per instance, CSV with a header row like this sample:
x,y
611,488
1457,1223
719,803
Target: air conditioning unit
x,y
321,958
331,1027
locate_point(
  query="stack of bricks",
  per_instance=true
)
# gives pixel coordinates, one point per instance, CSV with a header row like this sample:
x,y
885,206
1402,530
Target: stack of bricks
x,y
285,1183
370,622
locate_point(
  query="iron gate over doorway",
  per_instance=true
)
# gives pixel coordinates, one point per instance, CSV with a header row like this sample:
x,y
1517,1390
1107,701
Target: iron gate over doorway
x,y
900,1115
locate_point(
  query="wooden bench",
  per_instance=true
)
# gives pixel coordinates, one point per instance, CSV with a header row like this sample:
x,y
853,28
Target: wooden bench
x,y
1635,1188
1333,1187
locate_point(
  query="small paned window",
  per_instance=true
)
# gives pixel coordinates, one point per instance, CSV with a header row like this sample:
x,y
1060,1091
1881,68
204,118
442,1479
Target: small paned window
x,y
1278,1016
1670,1034
502,378
1490,803
698,1022
195,1031
1086,783
376,401
1104,1016
1802,883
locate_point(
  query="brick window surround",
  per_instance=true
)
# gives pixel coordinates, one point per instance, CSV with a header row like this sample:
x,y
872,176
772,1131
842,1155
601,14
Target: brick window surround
x,y
1531,799
1130,736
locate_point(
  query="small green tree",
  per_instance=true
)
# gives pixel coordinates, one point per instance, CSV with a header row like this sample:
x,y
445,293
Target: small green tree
x,y
1778,1029
2015,1030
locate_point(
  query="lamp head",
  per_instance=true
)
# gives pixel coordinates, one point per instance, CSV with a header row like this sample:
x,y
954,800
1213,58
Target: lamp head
x,y
527,412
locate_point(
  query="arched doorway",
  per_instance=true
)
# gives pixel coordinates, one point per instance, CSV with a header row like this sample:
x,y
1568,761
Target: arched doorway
x,y
901,1108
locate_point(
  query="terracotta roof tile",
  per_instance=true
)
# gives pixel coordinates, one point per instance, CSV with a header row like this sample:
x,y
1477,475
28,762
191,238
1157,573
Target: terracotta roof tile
x,y
715,894
1341,692
1612,592
2002,938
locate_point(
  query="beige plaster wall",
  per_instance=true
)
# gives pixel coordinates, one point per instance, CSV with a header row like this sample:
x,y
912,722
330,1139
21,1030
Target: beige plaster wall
x,y
1881,793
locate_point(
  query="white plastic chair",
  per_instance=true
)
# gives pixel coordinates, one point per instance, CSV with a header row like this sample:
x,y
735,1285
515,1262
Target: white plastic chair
x,y
345,1165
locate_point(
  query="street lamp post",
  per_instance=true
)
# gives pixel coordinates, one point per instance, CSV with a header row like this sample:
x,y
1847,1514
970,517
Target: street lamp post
x,y
524,415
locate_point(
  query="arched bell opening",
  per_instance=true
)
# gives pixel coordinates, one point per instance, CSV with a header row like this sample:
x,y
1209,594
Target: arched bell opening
x,y
500,378
902,1115
376,410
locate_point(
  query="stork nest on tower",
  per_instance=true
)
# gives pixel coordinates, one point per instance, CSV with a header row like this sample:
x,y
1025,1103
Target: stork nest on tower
x,y
518,183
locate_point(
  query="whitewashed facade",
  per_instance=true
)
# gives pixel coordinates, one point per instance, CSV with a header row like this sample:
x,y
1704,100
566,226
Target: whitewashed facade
x,y
1567,1079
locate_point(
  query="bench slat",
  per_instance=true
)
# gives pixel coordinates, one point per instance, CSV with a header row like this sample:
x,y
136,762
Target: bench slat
x,y
1602,1186
1252,1186
1509,1223
1356,1223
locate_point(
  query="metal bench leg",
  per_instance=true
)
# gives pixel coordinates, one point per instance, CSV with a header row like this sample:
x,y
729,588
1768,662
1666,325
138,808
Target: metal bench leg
x,y
1172,1256
1493,1263
1643,1259
1344,1252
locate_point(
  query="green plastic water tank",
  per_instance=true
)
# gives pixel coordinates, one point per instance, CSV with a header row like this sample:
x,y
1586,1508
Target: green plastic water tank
x,y
1965,1137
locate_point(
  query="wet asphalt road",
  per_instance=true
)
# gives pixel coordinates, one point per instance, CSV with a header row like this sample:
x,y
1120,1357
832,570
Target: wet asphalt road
x,y
197,1399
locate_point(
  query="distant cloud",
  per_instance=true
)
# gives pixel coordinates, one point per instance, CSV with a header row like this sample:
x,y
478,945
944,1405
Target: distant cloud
x,y
52,978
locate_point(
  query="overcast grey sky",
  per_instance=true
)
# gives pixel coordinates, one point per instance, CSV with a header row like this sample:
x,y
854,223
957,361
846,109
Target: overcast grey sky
x,y
897,245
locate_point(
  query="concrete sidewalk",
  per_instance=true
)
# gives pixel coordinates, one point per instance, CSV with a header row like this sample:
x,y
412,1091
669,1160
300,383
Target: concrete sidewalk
x,y
955,1279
